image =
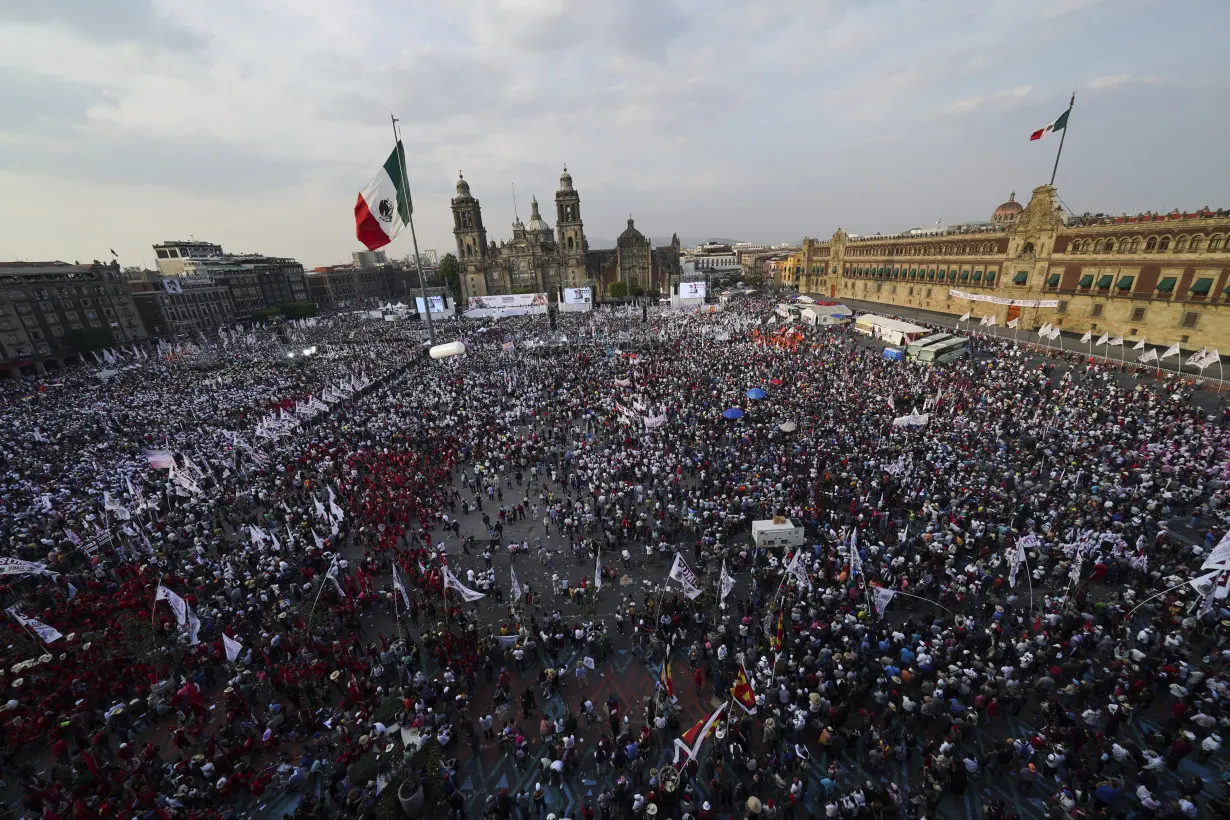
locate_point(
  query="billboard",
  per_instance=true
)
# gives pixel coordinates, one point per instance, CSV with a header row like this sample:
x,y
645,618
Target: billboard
x,y
437,304
578,296
691,290
519,300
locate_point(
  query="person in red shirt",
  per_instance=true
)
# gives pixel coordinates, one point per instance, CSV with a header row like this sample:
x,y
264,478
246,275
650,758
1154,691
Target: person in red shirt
x,y
700,680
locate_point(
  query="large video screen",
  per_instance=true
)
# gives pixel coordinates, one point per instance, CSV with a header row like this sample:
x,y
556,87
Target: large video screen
x,y
691,290
577,296
437,304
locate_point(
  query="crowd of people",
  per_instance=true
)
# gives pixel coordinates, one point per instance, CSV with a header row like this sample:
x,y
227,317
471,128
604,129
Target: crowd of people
x,y
227,570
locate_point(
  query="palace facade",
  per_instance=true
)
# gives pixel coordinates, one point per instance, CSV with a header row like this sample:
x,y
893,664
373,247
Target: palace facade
x,y
1164,278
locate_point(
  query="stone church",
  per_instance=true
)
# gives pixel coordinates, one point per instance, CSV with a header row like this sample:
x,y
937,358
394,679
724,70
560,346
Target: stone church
x,y
539,260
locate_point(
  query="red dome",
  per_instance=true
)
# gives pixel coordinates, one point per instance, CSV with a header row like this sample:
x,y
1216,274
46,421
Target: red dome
x,y
1009,211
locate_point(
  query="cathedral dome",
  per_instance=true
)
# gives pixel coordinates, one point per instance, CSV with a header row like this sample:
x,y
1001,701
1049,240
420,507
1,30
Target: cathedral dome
x,y
565,180
1009,211
463,187
632,236
536,223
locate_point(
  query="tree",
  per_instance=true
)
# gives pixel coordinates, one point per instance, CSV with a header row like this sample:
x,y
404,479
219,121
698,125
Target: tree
x,y
450,272
525,289
638,291
85,339
298,310
654,293
617,290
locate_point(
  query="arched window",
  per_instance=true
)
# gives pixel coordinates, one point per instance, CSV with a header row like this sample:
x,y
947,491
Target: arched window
x,y
1135,244
1028,248
1098,246
570,246
1197,241
1180,244
1124,244
1151,244
1216,243
1163,244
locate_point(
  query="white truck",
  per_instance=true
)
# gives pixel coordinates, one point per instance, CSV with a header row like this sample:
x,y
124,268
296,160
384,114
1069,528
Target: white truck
x,y
777,532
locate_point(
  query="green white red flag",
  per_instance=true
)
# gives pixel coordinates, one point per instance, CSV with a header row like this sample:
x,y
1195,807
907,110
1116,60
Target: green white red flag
x,y
384,207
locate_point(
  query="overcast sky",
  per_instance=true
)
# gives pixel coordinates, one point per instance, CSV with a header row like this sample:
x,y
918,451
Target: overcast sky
x,y
254,123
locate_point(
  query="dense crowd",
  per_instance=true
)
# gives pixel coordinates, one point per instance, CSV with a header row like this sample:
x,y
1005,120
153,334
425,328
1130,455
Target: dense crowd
x,y
1018,551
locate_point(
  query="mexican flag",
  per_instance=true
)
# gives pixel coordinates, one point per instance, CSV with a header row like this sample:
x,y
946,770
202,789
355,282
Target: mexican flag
x,y
1057,125
384,205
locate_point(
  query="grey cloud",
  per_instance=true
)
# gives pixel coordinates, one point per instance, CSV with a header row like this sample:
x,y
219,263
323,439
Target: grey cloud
x,y
107,21
194,162
36,105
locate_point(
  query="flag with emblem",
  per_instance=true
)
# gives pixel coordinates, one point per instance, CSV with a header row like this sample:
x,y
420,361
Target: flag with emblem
x,y
383,208
694,738
1060,123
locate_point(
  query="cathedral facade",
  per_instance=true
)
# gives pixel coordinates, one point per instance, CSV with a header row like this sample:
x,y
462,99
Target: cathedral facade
x,y
539,260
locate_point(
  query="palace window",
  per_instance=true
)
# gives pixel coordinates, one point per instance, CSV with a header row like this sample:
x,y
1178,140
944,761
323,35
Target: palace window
x,y
1138,314
1151,244
1197,241
1180,244
1163,244
1216,243
1096,310
1190,319
1124,245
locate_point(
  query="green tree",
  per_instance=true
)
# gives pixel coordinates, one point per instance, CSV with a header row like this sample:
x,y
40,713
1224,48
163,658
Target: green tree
x,y
638,291
654,293
450,272
617,290
525,289
298,310
85,339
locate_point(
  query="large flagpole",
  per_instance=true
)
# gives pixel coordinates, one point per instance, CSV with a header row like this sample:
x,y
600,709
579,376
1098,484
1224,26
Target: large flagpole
x,y
1058,153
418,263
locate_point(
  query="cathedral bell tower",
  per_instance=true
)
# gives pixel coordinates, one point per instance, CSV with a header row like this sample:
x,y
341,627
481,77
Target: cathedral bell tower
x,y
468,225
472,250
571,231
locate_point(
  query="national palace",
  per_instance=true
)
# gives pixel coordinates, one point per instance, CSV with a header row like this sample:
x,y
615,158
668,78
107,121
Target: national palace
x,y
1160,277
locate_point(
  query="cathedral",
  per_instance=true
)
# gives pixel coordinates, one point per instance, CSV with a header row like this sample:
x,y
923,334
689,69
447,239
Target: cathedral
x,y
539,260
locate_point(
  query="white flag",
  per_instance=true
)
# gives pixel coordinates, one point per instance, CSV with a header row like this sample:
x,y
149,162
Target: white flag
x,y
72,591
468,594
399,588
798,570
1173,350
1115,342
194,628
598,570
682,573
1212,357
178,605
1148,356
881,596
332,576
333,508
983,321
115,508
1087,338
1013,322
991,320
725,585
1045,330
48,634
231,646
16,566
964,317
1194,361
516,588
1139,345
1103,339
1054,334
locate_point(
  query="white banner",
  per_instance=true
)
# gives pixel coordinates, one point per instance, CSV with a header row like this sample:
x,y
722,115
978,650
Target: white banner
x,y
516,588
48,634
15,566
682,573
999,300
912,420
598,570
231,646
400,589
797,569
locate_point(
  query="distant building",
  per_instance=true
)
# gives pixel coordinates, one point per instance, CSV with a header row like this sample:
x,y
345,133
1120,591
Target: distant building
x,y
369,259
256,282
180,306
41,302
346,287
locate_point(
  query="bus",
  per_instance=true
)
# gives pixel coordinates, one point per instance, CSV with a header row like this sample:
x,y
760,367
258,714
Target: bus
x,y
935,338
945,352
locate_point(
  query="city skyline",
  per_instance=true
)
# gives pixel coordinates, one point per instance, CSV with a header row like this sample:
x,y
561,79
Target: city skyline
x,y
253,125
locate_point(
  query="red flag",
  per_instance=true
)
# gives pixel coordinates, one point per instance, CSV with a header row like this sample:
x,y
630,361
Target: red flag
x,y
743,693
777,639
